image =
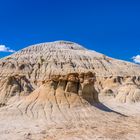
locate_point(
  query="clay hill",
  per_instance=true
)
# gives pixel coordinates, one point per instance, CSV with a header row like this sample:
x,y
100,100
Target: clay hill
x,y
61,90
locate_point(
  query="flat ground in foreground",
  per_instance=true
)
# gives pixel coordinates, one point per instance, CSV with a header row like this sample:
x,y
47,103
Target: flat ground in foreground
x,y
98,124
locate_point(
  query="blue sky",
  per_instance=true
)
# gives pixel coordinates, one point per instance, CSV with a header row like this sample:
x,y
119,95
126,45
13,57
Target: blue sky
x,y
111,27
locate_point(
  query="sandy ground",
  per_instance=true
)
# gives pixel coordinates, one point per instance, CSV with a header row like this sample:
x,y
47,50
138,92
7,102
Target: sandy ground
x,y
98,123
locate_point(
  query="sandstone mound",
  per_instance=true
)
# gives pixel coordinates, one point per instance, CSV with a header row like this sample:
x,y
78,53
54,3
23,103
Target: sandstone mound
x,y
128,92
26,70
52,91
59,93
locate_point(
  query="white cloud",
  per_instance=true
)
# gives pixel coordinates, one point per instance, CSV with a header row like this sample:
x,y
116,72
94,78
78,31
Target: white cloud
x,y
3,48
136,59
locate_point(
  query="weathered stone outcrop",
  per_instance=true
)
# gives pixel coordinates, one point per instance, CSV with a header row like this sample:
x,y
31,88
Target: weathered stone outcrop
x,y
58,94
15,85
123,89
74,83
28,69
60,90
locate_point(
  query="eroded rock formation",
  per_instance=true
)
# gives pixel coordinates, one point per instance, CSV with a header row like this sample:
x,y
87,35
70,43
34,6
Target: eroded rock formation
x,y
60,90
68,68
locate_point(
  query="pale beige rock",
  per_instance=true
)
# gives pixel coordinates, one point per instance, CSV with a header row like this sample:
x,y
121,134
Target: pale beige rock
x,y
128,93
39,62
60,90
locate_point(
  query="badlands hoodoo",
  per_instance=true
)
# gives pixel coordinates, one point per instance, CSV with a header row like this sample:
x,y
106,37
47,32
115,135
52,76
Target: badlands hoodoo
x,y
61,90
67,66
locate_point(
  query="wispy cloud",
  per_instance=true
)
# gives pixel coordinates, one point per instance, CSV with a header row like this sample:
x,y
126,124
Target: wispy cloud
x,y
3,48
136,59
